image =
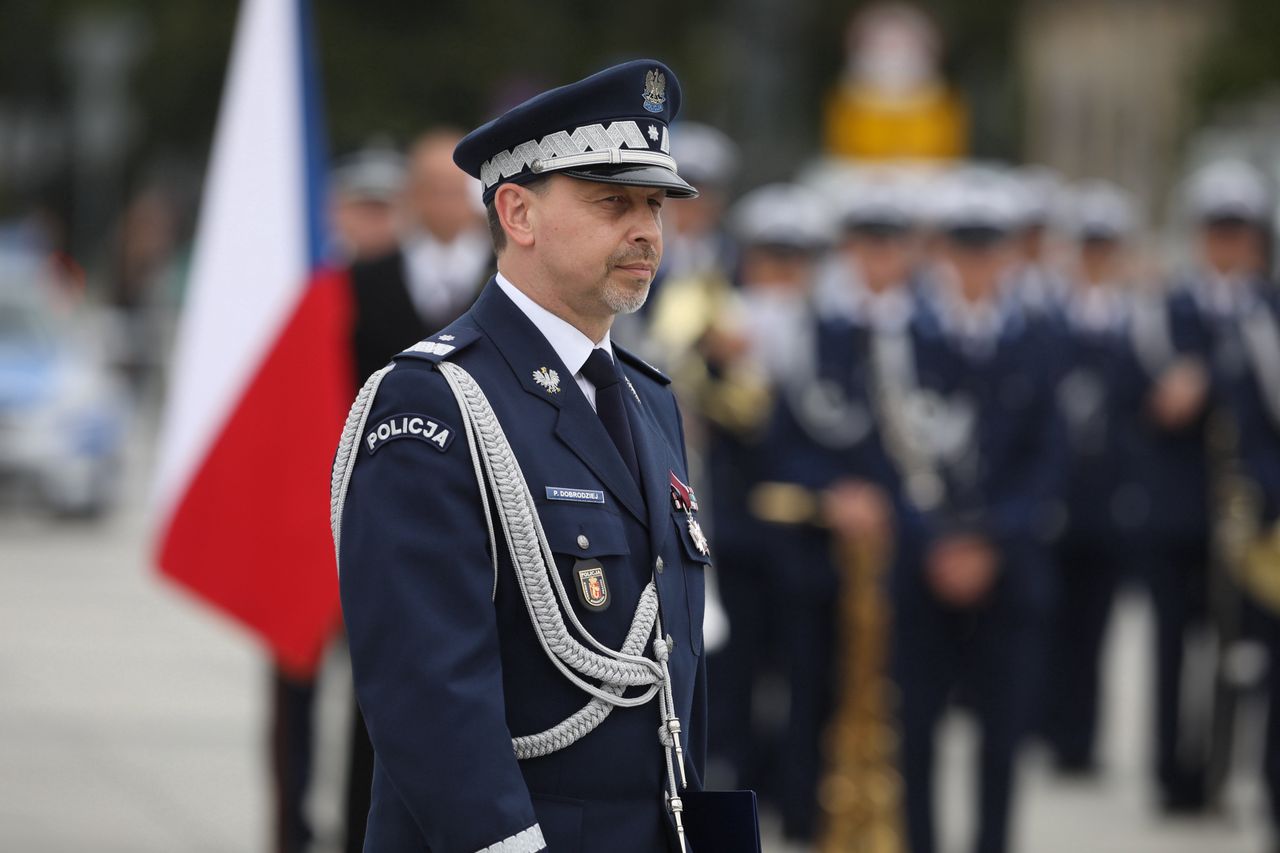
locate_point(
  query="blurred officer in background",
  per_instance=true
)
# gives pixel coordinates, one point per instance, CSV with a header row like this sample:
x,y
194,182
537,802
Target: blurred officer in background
x,y
1227,204
364,195
1037,281
438,267
984,475
822,488
1246,462
700,257
1098,396
746,351
697,242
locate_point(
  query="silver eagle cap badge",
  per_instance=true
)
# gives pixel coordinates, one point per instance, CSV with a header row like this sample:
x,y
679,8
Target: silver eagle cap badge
x,y
655,90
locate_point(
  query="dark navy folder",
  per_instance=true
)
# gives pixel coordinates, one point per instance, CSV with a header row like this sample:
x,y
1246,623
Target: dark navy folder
x,y
721,821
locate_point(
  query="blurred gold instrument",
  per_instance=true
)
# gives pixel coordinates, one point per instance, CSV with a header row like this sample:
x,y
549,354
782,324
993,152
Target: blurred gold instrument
x,y
860,793
1249,553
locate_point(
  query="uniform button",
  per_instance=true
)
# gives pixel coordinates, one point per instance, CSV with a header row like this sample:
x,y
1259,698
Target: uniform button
x,y
658,565
583,542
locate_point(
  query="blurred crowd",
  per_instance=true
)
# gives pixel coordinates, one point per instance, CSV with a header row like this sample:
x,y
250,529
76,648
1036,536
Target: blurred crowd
x,y
939,413
943,415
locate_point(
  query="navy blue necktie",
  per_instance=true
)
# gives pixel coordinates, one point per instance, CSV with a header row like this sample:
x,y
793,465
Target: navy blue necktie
x,y
601,371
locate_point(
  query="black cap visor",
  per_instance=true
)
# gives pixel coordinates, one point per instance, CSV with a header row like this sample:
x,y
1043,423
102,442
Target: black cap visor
x,y
635,176
976,237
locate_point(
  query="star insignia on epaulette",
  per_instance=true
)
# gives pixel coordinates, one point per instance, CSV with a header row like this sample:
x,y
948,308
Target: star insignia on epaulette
x,y
548,379
446,337
653,132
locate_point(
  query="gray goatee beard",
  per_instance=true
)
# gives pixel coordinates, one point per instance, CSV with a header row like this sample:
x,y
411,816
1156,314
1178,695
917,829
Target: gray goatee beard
x,y
619,298
622,300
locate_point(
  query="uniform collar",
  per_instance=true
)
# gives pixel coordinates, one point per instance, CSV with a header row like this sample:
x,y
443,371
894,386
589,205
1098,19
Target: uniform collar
x,y
570,344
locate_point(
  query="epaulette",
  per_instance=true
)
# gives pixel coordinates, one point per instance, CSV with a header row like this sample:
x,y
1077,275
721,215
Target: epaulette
x,y
443,344
644,366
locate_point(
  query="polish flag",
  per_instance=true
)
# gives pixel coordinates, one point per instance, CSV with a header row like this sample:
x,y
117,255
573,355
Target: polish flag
x,y
261,376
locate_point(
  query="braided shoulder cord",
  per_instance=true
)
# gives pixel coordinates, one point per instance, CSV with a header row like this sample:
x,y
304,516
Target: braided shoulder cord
x,y
348,449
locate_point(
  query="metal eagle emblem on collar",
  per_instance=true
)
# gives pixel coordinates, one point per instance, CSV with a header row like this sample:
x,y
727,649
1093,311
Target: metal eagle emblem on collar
x,y
548,379
655,90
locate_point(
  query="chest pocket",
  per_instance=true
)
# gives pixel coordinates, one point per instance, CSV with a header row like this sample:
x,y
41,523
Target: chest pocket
x,y
583,530
591,532
695,579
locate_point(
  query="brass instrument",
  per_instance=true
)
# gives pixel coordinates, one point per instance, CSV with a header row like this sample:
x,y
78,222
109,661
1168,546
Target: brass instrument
x,y
860,794
1243,561
1249,553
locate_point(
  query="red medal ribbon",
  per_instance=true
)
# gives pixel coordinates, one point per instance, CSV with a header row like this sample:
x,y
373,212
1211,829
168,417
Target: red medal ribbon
x,y
684,493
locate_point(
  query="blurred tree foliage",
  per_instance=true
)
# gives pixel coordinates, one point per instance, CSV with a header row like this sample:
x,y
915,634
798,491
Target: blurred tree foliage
x,y
758,68
1244,57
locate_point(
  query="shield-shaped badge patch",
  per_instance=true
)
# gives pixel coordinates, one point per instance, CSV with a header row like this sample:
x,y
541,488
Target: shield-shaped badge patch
x,y
593,588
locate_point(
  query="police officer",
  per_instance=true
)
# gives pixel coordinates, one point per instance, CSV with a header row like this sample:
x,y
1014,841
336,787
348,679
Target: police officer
x,y
364,191
1098,396
1037,281
1176,340
746,353
1245,438
984,435
824,444
520,553
1246,370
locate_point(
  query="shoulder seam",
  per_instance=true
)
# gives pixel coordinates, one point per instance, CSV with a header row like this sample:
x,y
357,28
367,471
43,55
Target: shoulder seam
x,y
644,366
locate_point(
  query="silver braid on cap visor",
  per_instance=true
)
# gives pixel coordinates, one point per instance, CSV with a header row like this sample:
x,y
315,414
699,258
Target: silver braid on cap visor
x,y
589,145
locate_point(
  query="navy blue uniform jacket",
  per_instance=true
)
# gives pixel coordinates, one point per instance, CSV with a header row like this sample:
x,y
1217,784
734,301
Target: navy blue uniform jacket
x,y
447,666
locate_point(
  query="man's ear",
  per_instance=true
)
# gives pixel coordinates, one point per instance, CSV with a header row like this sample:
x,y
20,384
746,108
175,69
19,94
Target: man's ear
x,y
514,206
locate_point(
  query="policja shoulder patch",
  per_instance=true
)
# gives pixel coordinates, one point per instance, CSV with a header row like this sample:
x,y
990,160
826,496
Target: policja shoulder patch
x,y
422,427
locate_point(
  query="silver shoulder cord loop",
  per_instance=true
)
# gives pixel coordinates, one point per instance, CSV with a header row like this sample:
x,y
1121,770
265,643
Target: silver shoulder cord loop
x,y
540,586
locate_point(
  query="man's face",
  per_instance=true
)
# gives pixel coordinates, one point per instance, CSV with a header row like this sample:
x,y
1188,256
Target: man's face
x,y
979,267
1232,247
883,260
600,243
441,197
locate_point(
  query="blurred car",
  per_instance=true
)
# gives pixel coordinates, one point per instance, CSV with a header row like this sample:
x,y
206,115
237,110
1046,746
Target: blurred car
x,y
62,412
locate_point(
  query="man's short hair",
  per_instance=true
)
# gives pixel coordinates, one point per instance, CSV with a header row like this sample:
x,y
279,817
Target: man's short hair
x,y
496,234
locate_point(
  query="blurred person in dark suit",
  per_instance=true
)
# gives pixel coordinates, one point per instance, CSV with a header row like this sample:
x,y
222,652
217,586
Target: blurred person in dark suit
x,y
437,269
1178,340
1099,396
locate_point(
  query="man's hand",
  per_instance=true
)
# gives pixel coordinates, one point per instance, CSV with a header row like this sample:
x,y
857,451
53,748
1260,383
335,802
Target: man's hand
x,y
858,512
1180,393
962,569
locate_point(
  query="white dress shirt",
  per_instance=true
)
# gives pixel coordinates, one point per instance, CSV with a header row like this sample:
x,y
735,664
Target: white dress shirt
x,y
443,277
570,343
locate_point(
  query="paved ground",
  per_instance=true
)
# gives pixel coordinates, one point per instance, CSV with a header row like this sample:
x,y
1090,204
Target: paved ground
x,y
131,721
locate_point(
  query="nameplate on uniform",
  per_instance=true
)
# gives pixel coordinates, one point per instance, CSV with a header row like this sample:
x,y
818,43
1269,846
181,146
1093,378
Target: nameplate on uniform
x,y
582,496
421,427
